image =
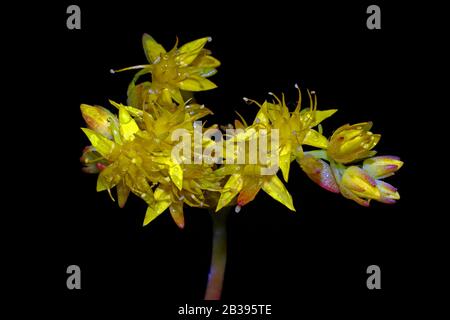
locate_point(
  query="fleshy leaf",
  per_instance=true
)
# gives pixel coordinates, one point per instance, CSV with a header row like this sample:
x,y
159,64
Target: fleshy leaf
x,y
276,189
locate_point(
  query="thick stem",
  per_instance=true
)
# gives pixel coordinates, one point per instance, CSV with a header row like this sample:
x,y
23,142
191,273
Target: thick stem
x,y
219,255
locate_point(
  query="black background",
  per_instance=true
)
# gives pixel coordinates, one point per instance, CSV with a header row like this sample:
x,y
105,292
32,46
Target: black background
x,y
291,260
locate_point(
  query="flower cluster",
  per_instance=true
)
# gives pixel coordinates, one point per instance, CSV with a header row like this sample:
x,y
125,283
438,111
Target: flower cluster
x,y
133,150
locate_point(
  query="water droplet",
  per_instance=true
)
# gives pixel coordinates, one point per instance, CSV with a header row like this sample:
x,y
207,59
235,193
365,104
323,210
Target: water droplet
x,y
237,209
257,120
157,60
209,39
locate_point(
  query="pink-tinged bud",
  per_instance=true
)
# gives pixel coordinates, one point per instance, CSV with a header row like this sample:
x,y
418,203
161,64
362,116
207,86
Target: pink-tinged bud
x,y
320,172
100,166
352,142
388,192
382,166
360,183
98,119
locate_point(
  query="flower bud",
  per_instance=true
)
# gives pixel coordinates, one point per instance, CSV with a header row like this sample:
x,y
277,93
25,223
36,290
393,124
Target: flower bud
x,y
352,142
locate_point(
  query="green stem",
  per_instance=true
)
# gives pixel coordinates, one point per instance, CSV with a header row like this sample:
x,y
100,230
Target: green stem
x,y
219,254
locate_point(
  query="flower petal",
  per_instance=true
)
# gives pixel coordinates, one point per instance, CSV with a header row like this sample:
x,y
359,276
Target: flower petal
x,y
276,189
230,190
321,115
285,160
103,145
189,51
153,50
176,211
176,174
128,127
315,139
196,83
122,193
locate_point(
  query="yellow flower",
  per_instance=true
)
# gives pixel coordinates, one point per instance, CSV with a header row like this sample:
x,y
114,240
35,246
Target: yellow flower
x,y
138,159
246,182
350,143
186,68
295,128
247,179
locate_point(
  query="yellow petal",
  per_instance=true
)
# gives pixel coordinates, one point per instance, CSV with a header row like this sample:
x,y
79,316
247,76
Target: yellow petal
x,y
128,127
176,211
176,174
189,51
285,161
103,145
152,49
207,62
151,213
315,139
176,95
321,115
196,83
276,189
122,193
230,190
